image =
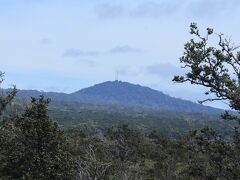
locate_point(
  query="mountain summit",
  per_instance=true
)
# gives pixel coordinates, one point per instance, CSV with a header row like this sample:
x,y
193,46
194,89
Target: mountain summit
x,y
125,94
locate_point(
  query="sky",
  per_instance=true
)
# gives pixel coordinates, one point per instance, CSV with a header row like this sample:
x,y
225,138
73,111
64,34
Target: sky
x,y
67,45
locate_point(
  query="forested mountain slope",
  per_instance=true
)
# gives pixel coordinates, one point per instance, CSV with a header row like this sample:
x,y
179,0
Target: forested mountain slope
x,y
124,94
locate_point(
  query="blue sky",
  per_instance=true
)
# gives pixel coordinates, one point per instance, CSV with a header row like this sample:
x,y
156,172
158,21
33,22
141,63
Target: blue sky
x,y
66,45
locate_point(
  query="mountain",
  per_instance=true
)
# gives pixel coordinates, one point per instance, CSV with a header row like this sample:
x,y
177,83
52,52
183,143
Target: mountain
x,y
124,94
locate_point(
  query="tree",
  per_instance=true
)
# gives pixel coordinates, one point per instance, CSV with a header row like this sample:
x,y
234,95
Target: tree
x,y
214,66
6,99
33,147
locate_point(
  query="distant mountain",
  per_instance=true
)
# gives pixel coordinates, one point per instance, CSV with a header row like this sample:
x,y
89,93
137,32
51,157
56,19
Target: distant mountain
x,y
124,94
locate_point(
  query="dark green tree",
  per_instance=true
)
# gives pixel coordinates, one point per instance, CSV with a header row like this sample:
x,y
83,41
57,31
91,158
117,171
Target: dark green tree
x,y
214,66
6,98
33,147
213,63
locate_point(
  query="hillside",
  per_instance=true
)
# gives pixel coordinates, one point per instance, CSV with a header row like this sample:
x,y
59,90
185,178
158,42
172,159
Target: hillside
x,y
124,94
169,123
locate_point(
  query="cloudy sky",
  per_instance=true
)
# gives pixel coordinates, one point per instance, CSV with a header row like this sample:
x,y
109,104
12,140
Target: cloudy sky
x,y
66,45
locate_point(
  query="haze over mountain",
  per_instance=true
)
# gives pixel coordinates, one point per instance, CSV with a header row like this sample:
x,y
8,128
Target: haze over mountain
x,y
124,94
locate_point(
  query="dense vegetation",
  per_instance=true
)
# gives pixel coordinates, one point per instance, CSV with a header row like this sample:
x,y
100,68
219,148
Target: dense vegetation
x,y
171,124
32,146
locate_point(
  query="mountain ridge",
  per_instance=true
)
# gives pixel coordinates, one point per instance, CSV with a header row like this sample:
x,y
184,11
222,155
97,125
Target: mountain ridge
x,y
124,94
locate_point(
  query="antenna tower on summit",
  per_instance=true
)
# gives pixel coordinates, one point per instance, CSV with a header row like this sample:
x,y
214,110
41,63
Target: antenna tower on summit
x,y
116,76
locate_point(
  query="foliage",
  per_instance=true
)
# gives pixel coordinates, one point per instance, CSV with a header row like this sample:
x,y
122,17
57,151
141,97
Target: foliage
x,y
33,147
123,153
169,123
216,67
7,99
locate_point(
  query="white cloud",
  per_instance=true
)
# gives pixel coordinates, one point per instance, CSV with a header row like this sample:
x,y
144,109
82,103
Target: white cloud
x,y
109,10
156,9
75,53
164,70
124,49
46,41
